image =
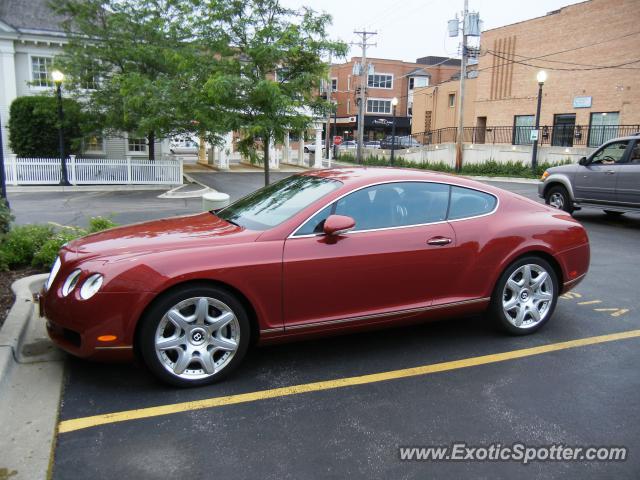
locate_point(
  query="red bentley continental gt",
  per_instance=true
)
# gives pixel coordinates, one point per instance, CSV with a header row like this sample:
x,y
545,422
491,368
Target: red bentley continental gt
x,y
319,253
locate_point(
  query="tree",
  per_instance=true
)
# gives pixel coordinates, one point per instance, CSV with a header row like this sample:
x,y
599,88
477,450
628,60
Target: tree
x,y
33,126
269,83
137,67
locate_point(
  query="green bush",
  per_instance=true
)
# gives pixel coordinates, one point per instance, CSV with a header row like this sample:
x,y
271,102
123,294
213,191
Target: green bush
x,y
97,224
5,217
33,126
490,168
38,245
20,245
47,253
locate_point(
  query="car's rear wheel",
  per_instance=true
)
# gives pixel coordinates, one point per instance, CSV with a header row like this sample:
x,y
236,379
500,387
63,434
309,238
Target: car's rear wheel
x,y
525,296
613,213
558,197
194,336
306,150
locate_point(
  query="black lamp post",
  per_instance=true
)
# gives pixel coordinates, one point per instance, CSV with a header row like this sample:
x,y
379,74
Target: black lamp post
x,y
58,77
3,180
394,103
541,77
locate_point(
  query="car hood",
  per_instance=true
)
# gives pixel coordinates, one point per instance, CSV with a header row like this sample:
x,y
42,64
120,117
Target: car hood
x,y
177,233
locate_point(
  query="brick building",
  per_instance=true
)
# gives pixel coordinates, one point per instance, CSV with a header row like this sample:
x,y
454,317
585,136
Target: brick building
x,y
386,79
584,100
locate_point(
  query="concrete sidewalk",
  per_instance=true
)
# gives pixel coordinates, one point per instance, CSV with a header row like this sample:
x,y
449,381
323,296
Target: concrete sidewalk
x,y
31,374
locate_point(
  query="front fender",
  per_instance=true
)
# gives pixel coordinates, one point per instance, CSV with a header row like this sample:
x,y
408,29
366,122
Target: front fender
x,y
556,179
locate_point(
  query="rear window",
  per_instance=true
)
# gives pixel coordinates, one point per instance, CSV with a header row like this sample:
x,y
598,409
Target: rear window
x,y
466,203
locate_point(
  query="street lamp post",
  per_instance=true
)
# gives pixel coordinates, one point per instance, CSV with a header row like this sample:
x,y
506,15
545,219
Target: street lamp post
x,y
3,182
541,77
394,103
58,77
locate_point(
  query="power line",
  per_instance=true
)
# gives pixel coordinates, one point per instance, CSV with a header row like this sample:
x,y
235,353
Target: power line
x,y
602,67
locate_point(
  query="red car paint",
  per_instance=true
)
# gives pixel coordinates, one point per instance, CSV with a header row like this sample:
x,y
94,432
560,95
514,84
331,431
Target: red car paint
x,y
304,286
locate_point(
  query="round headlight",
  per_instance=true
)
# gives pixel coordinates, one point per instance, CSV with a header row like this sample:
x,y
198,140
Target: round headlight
x,y
54,272
71,282
91,286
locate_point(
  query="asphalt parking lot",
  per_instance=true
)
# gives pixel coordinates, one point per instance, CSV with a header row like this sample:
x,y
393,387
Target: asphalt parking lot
x,y
253,426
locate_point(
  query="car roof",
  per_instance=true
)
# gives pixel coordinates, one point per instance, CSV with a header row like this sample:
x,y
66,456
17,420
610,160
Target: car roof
x,y
635,136
359,176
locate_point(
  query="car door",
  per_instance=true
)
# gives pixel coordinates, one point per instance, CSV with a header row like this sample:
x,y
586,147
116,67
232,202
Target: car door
x,y
596,181
628,183
396,258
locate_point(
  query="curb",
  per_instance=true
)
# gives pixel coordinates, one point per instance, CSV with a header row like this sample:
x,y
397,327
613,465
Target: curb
x,y
15,327
524,181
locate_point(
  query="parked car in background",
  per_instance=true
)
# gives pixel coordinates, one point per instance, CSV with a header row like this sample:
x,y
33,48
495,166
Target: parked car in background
x,y
183,145
608,179
311,147
349,144
375,144
407,141
318,253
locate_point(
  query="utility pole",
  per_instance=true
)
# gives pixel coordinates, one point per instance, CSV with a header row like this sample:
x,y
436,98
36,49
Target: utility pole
x,y
463,75
364,76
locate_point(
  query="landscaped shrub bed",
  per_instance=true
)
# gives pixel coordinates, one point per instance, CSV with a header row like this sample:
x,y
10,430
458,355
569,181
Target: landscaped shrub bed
x,y
489,168
38,245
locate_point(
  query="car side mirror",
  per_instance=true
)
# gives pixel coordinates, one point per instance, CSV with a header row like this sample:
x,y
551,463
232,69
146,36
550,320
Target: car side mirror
x,y
583,161
338,224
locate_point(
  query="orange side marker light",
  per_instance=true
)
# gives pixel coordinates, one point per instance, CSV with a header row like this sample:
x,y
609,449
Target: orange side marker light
x,y
107,338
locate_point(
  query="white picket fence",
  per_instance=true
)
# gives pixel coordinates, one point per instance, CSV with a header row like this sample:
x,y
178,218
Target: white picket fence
x,y
92,171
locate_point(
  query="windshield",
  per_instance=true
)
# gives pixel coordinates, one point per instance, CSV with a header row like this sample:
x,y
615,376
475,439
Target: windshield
x,y
272,205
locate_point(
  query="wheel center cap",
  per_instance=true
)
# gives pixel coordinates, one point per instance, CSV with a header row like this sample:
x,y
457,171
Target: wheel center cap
x,y
524,295
198,336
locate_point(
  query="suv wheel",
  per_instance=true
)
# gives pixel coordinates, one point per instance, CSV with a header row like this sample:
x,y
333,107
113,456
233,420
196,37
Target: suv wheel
x,y
558,197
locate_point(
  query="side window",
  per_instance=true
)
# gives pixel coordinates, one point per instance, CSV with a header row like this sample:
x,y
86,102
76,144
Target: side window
x,y
387,205
635,153
316,223
610,154
395,205
466,202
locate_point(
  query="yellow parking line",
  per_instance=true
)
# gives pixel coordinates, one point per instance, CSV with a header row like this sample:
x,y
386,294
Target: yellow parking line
x,y
87,422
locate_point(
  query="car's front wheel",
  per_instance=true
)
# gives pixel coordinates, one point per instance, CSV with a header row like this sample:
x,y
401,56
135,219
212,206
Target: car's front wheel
x,y
194,336
558,197
525,296
306,150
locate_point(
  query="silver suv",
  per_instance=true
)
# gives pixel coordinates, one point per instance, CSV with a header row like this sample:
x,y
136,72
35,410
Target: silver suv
x,y
608,179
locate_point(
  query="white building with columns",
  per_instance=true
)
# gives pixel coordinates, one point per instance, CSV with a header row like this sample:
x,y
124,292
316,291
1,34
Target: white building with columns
x,y
30,38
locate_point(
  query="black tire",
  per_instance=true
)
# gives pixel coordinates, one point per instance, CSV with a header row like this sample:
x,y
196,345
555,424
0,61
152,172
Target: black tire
x,y
306,150
613,213
505,321
239,328
558,197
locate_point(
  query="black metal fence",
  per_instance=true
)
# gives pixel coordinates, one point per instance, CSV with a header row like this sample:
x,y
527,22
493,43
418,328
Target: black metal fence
x,y
557,136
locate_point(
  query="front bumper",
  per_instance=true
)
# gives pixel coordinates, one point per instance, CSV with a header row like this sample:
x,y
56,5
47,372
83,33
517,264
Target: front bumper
x,y
76,326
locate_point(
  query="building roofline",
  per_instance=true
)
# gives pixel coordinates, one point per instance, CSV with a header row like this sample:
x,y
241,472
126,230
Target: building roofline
x,y
552,12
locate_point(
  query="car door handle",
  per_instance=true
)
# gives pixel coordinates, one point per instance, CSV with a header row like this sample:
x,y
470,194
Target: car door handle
x,y
439,241
610,172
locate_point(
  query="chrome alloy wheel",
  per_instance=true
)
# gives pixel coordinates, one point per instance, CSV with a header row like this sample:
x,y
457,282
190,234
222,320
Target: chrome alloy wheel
x,y
527,296
197,338
556,200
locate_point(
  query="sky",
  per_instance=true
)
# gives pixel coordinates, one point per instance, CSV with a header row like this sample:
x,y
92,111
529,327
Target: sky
x,y
409,29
